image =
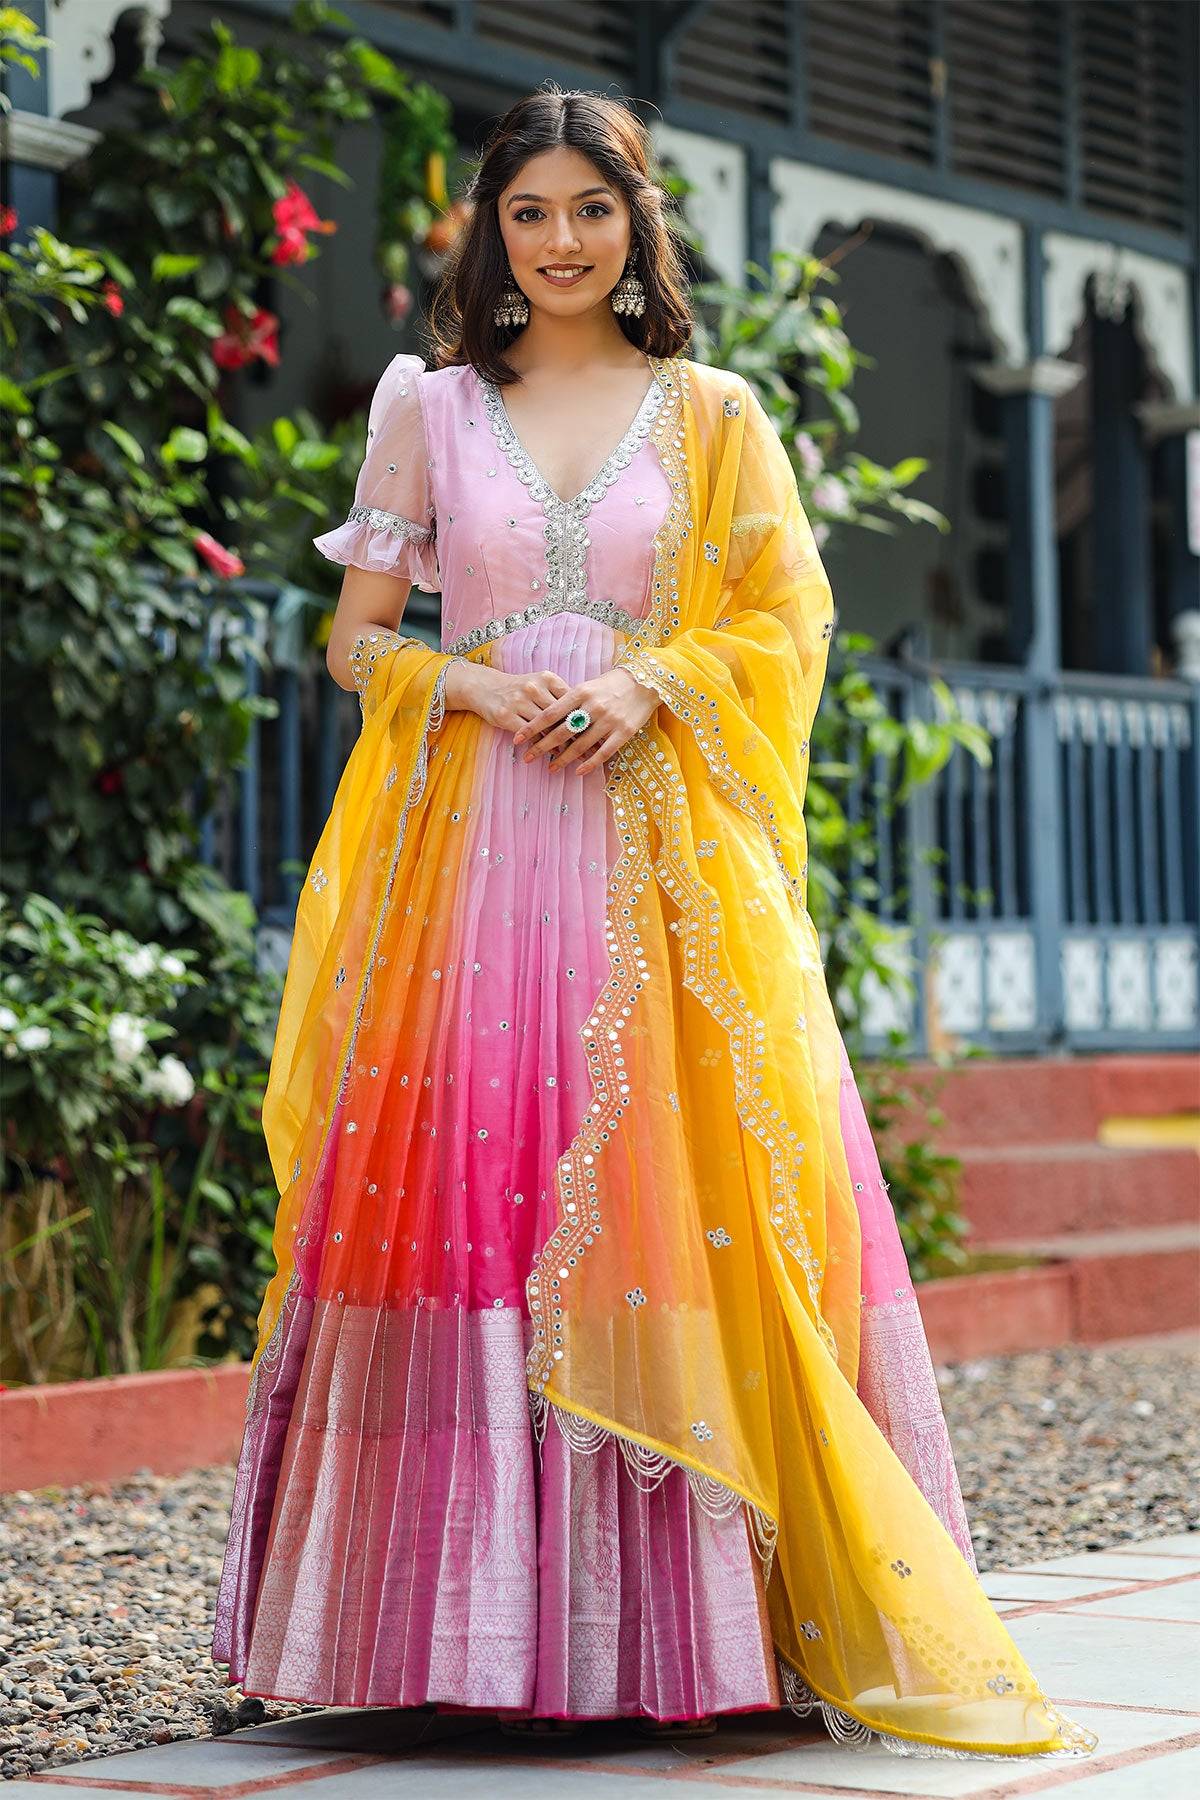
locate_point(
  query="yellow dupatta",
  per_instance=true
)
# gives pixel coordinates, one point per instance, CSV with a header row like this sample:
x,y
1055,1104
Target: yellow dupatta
x,y
699,1300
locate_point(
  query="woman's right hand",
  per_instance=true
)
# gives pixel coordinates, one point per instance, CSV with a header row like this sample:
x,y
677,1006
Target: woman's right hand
x,y
500,699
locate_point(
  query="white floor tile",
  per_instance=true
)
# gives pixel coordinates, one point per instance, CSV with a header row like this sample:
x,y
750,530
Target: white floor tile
x,y
1179,1602
1113,1565
1170,1777
202,1763
999,1585
1127,1663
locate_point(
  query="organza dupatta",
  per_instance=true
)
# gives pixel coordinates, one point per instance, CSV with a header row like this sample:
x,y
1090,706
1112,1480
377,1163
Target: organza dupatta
x,y
699,1300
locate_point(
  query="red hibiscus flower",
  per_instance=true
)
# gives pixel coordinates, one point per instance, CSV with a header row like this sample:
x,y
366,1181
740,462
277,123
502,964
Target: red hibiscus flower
x,y
295,216
291,246
8,220
247,338
296,211
113,298
221,561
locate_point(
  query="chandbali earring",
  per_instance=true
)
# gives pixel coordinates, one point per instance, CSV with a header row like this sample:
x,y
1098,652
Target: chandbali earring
x,y
629,295
512,307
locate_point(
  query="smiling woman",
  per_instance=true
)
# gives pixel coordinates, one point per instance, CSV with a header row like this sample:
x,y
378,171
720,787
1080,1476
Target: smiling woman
x,y
591,1382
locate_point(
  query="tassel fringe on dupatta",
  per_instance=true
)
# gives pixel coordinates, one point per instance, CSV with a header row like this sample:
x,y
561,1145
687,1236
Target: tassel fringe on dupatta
x,y
700,1301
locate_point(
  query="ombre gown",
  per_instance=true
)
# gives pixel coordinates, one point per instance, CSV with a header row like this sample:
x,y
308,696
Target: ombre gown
x,y
403,1531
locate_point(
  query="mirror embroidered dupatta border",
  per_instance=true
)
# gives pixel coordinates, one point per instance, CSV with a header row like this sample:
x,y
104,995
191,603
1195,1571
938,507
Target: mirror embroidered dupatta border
x,y
700,1299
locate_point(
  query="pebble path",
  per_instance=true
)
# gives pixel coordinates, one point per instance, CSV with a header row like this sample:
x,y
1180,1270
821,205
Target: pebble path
x,y
106,1591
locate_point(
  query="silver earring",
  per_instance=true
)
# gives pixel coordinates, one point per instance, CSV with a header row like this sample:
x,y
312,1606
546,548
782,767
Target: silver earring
x,y
629,295
512,307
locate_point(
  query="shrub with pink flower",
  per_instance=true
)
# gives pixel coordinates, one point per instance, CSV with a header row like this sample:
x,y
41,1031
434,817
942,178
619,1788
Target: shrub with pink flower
x,y
831,495
811,460
222,562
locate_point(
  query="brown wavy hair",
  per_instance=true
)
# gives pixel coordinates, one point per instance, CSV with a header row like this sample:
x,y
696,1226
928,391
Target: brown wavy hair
x,y
609,133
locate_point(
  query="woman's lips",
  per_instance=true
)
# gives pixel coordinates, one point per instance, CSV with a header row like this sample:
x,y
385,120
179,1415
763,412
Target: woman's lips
x,y
561,281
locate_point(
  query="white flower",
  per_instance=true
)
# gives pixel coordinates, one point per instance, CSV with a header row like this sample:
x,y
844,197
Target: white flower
x,y
831,495
140,962
821,533
127,1035
811,460
8,1019
171,1081
34,1037
174,966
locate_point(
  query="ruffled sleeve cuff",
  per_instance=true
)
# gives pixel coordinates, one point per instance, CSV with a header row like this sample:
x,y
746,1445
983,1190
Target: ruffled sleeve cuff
x,y
386,544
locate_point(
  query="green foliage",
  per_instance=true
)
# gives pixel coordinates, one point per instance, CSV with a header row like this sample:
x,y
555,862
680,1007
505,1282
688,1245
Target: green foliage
x,y
124,658
19,40
100,1035
786,336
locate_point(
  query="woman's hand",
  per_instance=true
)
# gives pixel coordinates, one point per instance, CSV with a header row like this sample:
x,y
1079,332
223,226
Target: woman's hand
x,y
619,704
501,699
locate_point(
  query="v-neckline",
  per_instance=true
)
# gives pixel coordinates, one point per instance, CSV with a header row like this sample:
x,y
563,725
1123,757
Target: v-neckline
x,y
493,393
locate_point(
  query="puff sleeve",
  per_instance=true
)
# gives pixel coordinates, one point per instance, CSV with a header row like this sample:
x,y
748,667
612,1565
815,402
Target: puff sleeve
x,y
391,528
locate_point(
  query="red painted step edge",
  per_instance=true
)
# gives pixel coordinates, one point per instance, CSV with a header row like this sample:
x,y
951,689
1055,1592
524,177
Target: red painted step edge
x,y
64,1433
1047,1190
998,1311
61,1435
1050,1100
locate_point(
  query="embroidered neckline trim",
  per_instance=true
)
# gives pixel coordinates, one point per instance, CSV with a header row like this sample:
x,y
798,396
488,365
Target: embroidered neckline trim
x,y
531,476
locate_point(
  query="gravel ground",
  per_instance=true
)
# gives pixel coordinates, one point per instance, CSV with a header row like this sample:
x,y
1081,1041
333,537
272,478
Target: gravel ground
x,y
106,1591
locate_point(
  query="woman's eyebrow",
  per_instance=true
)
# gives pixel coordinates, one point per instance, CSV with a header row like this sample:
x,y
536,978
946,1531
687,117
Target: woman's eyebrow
x,y
579,196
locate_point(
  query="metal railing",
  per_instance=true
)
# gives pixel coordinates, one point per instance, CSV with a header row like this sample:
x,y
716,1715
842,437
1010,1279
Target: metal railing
x,y
1045,900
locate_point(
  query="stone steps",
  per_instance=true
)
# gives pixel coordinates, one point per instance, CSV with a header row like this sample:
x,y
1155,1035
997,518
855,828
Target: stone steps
x,y
1091,1164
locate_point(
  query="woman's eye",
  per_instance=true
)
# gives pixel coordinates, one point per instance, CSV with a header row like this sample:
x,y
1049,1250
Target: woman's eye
x,y
521,216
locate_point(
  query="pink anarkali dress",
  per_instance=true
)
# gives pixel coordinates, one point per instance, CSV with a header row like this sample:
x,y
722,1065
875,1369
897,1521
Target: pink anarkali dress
x,y
403,1531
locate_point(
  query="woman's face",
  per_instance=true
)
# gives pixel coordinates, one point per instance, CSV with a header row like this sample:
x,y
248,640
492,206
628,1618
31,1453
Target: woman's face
x,y
558,212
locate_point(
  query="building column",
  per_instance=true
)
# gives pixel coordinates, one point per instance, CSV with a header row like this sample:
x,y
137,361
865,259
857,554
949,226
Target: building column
x,y
1124,614
1173,435
1029,393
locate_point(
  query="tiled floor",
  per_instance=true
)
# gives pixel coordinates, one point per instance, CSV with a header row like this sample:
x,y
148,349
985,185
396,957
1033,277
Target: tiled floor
x,y
1114,1638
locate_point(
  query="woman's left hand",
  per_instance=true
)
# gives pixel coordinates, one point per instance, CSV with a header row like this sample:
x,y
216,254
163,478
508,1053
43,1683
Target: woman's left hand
x,y
619,706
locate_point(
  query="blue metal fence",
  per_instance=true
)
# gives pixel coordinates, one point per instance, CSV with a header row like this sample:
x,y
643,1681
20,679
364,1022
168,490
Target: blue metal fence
x,y
960,865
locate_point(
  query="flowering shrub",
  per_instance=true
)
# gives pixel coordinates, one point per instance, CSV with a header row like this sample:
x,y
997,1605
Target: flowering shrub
x,y
83,1009
119,1167
134,1165
787,337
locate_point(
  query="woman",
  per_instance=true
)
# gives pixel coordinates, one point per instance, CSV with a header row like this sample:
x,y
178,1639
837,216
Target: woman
x,y
591,1381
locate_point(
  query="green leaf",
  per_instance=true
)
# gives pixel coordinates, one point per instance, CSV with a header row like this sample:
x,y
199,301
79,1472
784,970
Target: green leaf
x,y
377,70
315,457
238,69
224,436
194,312
172,267
331,171
215,277
185,445
13,398
125,440
175,554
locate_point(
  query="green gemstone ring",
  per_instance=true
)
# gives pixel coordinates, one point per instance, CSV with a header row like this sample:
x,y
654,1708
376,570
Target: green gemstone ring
x,y
579,720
